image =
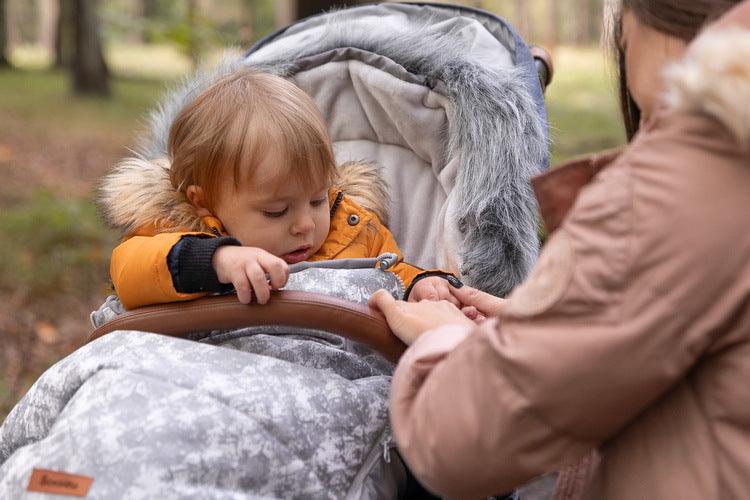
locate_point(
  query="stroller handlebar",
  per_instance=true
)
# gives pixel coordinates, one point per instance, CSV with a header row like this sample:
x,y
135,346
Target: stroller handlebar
x,y
544,65
286,308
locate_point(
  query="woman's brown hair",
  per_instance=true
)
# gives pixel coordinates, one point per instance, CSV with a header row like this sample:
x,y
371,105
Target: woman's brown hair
x,y
238,121
680,18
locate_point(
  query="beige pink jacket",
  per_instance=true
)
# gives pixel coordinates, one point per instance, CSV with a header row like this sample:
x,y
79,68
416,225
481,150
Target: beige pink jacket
x,y
632,334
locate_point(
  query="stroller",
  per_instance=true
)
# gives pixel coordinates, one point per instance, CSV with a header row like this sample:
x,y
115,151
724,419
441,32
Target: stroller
x,y
289,400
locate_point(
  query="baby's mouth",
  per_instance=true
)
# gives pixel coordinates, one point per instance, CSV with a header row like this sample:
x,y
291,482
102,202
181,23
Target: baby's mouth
x,y
299,255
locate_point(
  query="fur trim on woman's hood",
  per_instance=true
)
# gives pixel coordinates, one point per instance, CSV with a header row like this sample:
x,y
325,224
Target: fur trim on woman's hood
x,y
138,193
714,79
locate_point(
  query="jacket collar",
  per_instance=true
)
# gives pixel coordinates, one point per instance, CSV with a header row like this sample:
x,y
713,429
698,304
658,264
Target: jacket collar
x,y
557,189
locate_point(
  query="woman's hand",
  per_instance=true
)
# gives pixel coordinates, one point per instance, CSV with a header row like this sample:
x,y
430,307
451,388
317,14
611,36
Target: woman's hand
x,y
485,304
409,320
246,268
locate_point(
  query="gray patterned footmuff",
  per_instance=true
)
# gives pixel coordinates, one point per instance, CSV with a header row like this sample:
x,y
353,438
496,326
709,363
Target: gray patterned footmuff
x,y
266,412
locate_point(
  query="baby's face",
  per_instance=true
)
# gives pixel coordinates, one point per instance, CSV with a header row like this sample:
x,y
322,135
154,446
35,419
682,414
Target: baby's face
x,y
286,219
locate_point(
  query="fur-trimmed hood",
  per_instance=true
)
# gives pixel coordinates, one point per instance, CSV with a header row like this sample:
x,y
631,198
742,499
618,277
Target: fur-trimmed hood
x,y
714,79
138,193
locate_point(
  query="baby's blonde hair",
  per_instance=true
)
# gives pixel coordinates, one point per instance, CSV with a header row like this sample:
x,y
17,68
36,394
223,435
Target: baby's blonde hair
x,y
232,125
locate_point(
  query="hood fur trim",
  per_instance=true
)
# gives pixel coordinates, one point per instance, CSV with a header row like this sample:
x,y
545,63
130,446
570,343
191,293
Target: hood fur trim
x,y
138,193
714,79
361,181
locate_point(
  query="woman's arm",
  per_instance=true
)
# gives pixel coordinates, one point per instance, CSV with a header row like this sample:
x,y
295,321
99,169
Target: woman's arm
x,y
625,298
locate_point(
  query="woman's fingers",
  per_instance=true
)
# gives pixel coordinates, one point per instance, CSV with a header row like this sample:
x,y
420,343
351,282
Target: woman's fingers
x,y
384,302
409,320
486,304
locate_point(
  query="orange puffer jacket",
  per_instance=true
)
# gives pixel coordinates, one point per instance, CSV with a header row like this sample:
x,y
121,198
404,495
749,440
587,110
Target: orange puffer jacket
x,y
141,275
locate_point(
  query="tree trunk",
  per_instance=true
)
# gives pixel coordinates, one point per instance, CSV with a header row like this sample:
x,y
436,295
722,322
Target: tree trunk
x,y
194,40
90,74
65,40
285,12
583,15
47,19
4,63
12,25
523,18
149,12
553,27
306,8
247,26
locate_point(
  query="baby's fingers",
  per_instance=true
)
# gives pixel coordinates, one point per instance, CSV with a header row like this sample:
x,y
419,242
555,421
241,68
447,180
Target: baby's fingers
x,y
257,278
276,269
444,291
473,314
242,288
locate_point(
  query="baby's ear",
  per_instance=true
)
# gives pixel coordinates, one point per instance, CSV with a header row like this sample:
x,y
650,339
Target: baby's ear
x,y
197,198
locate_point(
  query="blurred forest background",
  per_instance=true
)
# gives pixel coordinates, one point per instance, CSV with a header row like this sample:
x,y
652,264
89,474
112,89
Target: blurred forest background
x,y
77,78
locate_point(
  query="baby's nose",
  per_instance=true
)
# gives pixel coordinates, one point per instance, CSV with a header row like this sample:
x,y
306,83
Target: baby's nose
x,y
303,224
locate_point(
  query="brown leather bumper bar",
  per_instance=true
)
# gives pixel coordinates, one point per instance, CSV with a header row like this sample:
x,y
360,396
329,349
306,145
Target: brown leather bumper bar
x,y
286,308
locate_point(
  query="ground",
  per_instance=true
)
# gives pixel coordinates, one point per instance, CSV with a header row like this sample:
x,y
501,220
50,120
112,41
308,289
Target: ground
x,y
54,249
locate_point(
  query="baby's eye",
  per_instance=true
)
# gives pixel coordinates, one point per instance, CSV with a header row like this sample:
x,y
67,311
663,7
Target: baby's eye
x,y
319,202
276,214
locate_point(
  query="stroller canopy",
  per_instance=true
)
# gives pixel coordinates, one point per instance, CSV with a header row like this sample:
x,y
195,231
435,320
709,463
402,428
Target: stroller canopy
x,y
446,101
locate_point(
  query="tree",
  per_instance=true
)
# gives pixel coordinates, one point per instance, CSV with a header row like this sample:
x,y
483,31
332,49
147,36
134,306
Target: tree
x,y
247,31
587,21
307,8
3,37
195,42
149,11
553,26
90,73
46,23
65,40
523,19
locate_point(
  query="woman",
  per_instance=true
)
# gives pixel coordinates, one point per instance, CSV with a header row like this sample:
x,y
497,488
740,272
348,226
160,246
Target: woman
x,y
632,332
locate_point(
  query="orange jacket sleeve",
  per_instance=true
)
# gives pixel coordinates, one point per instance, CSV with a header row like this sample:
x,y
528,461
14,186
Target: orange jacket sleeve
x,y
140,272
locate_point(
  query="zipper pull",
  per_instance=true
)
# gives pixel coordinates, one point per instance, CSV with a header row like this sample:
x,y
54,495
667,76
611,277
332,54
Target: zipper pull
x,y
387,451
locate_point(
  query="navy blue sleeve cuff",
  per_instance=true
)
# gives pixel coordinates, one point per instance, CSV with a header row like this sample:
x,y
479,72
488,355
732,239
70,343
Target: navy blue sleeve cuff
x,y
190,264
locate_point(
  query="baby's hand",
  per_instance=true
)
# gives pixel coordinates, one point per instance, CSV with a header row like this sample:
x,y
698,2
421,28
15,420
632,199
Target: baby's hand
x,y
433,288
246,269
473,314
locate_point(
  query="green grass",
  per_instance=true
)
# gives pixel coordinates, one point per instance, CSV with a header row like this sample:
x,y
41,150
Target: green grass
x,y
51,246
42,98
154,62
583,110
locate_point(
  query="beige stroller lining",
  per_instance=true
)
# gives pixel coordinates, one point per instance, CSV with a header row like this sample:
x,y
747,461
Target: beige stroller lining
x,y
378,111
400,126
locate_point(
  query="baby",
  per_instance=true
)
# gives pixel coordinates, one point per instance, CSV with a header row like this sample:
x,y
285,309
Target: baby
x,y
248,189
